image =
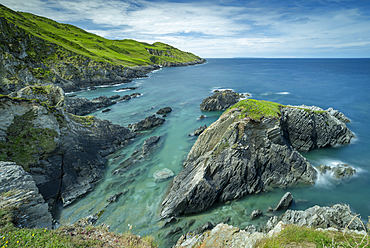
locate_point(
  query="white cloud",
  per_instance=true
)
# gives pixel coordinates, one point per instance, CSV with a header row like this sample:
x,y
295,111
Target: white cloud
x,y
213,30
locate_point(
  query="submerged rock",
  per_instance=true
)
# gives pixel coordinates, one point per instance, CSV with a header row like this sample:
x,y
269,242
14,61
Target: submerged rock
x,y
220,100
19,194
284,202
163,175
251,148
147,123
164,111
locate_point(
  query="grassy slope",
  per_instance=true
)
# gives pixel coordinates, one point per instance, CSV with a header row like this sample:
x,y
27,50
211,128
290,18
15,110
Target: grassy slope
x,y
119,52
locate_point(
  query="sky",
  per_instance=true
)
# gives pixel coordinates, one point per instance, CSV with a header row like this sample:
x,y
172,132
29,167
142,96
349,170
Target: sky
x,y
223,28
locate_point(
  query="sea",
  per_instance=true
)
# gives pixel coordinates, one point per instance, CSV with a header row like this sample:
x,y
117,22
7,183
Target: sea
x,y
343,84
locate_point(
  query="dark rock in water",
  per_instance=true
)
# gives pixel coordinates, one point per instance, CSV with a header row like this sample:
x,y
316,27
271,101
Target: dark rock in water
x,y
220,100
340,171
174,231
115,97
205,227
202,117
126,89
92,88
147,123
72,95
284,202
68,155
338,216
115,197
134,95
270,209
125,98
19,194
248,151
255,214
163,175
83,106
149,143
106,110
164,111
169,221
198,131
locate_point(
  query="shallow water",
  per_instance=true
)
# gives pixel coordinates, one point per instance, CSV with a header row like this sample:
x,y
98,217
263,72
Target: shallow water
x,y
343,84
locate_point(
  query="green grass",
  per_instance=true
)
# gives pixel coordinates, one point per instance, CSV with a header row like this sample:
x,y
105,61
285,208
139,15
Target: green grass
x,y
79,236
257,109
294,236
118,52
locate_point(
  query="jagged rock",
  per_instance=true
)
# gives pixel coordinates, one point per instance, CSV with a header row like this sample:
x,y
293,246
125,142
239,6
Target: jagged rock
x,y
205,227
106,110
114,97
309,128
18,192
163,175
164,111
134,95
115,197
83,106
125,98
339,171
224,235
220,100
248,150
338,216
147,123
255,214
284,202
126,89
149,143
64,153
169,221
339,115
198,131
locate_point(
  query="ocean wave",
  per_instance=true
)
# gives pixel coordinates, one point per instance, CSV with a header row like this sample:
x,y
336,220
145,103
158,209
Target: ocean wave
x,y
283,93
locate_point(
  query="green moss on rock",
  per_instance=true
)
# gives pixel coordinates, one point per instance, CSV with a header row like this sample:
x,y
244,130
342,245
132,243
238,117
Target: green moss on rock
x,y
257,109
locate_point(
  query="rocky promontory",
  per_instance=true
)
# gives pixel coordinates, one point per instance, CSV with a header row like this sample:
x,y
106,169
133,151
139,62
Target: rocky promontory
x,y
253,147
64,153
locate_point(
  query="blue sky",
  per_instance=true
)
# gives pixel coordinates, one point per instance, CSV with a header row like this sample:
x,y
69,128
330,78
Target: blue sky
x,y
223,28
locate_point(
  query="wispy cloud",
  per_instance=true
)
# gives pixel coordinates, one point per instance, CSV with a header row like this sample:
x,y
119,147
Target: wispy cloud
x,y
222,29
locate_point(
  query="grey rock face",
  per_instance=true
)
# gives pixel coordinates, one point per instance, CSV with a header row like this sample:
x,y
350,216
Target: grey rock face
x,y
19,193
284,202
237,156
340,171
308,129
147,123
220,100
338,216
233,158
68,157
83,106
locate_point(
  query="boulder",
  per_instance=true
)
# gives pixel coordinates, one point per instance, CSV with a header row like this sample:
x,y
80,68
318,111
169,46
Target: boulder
x,y
284,202
147,123
163,175
220,100
164,111
20,195
255,214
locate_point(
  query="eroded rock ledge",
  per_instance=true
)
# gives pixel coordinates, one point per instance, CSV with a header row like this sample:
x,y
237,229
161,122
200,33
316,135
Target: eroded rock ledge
x,y
253,147
64,153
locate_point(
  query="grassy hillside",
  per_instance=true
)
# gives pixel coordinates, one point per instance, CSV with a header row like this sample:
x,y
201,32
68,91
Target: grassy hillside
x,y
119,52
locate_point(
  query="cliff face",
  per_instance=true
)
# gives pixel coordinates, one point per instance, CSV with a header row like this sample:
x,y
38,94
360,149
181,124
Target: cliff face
x,y
64,153
251,148
37,50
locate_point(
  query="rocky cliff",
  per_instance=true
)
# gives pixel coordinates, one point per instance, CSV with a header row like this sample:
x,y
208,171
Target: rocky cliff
x,y
64,153
251,148
37,50
332,221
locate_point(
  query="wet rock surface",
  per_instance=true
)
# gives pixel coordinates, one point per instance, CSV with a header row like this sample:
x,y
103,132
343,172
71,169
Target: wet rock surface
x,y
147,123
339,171
220,100
198,131
19,193
164,111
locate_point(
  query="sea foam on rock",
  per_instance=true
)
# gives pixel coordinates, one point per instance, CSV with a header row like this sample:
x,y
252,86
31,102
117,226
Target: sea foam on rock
x,y
251,148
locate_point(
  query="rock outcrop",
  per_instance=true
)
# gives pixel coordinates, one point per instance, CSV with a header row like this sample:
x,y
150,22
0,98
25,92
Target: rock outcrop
x,y
147,123
19,194
198,131
224,235
220,100
251,148
339,171
84,106
64,153
164,111
284,202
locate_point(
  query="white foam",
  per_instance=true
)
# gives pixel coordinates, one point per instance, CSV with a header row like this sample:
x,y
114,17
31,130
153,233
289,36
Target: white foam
x,y
220,89
121,90
283,93
155,71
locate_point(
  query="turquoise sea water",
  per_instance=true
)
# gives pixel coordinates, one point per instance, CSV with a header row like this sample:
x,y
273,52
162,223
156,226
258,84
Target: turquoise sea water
x,y
343,84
